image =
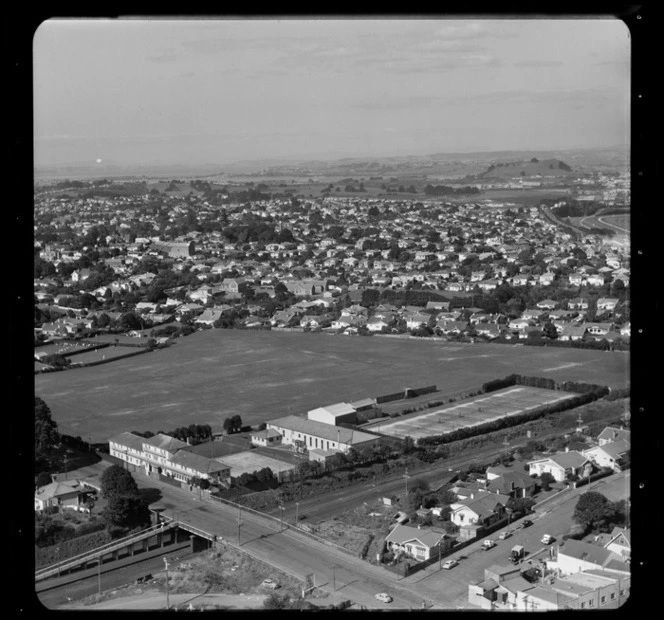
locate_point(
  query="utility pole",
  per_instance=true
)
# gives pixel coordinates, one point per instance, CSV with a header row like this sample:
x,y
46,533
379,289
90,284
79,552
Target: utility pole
x,y
281,523
334,577
168,602
297,508
406,476
239,523
99,576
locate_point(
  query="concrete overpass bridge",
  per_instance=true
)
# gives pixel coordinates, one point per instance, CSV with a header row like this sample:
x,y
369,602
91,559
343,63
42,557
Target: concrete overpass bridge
x,y
154,540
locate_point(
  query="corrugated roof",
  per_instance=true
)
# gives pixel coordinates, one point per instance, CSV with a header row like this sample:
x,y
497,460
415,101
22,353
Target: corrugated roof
x,y
403,534
320,429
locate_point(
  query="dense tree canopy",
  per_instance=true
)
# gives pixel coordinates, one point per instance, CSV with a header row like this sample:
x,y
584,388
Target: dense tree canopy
x,y
46,430
595,512
117,481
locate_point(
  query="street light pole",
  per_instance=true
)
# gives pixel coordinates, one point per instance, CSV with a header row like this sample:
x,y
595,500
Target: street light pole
x,y
334,577
297,508
281,523
168,602
406,476
99,576
239,523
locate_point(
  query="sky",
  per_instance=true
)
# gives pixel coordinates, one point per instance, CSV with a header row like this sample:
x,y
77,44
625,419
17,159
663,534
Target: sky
x,y
182,91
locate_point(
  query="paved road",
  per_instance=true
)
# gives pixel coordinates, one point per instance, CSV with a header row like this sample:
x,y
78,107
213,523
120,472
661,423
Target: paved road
x,y
554,517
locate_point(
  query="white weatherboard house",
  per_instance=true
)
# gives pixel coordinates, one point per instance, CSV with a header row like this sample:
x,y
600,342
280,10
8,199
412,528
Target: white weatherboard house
x,y
420,544
561,465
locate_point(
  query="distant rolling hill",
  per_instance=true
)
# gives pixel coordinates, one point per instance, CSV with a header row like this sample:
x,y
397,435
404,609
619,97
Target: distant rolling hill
x,y
528,168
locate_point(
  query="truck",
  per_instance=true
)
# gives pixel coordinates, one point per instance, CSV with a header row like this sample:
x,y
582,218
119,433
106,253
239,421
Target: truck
x,y
517,553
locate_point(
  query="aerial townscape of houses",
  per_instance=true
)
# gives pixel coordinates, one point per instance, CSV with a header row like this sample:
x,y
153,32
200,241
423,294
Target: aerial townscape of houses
x,y
342,264
152,266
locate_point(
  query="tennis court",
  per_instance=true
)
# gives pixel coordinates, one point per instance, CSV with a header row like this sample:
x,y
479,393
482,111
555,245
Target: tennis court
x,y
477,410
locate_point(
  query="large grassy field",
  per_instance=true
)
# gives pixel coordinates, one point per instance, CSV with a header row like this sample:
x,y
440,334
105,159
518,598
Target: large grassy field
x,y
260,375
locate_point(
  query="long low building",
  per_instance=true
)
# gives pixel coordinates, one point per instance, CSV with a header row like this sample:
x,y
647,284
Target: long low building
x,y
165,455
308,434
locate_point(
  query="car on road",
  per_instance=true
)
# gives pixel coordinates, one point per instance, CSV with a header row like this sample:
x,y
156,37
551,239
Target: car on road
x,y
270,583
526,523
505,534
488,544
383,597
450,564
547,539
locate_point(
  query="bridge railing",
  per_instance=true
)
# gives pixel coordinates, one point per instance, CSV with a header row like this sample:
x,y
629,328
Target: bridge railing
x,y
48,571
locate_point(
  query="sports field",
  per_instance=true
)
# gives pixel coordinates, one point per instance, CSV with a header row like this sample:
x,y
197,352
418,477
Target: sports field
x,y
262,375
471,412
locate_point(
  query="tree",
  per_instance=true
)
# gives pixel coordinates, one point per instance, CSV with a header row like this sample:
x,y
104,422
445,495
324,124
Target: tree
x,y
43,478
46,430
117,481
594,512
126,511
545,480
228,425
237,422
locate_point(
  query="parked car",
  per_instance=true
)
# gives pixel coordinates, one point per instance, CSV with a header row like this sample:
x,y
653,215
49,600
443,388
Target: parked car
x,y
450,564
488,544
547,539
383,597
526,523
270,583
505,534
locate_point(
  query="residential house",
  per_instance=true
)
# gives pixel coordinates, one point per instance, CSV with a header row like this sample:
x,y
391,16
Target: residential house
x,y
483,508
418,543
354,321
578,303
607,304
596,279
64,494
416,319
304,288
611,434
286,318
619,541
547,279
598,329
489,330
315,321
452,327
509,481
613,454
562,465
233,285
378,324
571,332
547,304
